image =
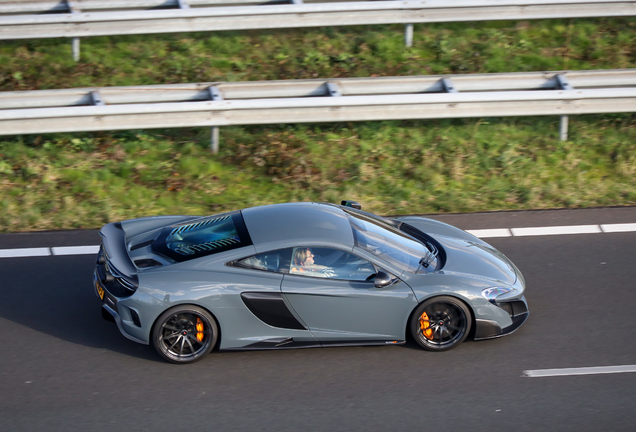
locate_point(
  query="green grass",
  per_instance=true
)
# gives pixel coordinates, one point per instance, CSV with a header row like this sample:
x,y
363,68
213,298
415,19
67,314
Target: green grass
x,y
85,180
390,167
483,47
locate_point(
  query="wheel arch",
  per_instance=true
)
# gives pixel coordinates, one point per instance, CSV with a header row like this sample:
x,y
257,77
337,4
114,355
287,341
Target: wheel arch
x,y
174,306
471,333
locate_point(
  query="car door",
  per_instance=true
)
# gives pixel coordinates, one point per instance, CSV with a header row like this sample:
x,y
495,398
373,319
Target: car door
x,y
340,303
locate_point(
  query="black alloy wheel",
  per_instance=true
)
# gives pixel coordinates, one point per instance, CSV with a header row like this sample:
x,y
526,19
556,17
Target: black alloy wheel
x,y
440,323
184,334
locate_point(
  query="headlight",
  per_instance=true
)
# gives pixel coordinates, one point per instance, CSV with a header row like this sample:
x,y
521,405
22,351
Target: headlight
x,y
491,294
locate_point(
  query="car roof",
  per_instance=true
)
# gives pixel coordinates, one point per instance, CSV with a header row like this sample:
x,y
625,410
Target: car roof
x,y
298,224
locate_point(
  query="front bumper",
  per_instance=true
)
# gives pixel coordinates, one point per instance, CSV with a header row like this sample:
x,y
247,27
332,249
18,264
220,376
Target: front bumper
x,y
488,329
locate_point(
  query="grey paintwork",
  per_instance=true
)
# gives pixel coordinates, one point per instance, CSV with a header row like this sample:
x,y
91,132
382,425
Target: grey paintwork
x,y
332,310
431,226
472,266
337,310
285,225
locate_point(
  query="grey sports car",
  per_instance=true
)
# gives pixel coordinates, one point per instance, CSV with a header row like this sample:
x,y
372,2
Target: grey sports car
x,y
302,275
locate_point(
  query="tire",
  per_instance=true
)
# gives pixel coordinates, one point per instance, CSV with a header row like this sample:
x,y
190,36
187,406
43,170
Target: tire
x,y
176,334
440,323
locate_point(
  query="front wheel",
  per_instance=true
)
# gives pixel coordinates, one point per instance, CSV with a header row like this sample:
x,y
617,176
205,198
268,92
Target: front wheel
x,y
440,323
184,334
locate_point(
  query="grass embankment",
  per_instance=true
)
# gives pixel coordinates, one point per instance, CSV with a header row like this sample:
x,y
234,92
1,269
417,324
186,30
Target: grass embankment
x,y
85,180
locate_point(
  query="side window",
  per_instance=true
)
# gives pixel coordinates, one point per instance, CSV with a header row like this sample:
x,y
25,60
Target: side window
x,y
330,263
275,261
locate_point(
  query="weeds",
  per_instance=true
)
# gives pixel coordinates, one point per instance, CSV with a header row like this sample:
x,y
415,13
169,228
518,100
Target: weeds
x,y
85,180
390,167
482,47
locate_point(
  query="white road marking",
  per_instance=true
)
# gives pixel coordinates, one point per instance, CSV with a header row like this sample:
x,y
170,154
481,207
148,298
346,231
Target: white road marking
x,y
579,371
75,250
481,233
612,228
26,252
556,230
489,233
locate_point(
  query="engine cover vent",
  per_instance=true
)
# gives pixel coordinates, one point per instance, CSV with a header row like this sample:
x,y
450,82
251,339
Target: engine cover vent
x,y
142,244
144,263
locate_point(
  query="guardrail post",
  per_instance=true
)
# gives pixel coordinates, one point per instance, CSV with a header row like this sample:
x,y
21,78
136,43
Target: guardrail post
x,y
408,35
76,48
563,128
183,4
563,84
75,44
215,135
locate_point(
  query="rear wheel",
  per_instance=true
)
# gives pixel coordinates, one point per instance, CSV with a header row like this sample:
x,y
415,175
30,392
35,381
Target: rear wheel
x,y
440,323
184,334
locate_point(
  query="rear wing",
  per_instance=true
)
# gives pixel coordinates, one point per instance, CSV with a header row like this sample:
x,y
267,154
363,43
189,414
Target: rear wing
x,y
114,245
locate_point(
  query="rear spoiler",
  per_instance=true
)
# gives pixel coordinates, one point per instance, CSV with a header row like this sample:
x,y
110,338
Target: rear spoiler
x,y
114,241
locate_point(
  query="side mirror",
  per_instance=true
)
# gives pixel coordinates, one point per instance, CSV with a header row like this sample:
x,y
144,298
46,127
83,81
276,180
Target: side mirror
x,y
382,279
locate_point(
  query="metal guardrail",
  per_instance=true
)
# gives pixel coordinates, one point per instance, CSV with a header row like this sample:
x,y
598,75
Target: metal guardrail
x,y
591,79
355,99
44,6
187,19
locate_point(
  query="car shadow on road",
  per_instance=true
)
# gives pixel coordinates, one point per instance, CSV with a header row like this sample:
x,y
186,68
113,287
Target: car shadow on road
x,y
55,296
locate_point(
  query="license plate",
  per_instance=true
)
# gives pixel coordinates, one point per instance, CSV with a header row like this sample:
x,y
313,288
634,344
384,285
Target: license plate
x,y
100,290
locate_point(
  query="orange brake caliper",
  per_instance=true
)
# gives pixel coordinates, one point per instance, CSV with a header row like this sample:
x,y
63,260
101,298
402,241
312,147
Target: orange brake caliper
x,y
425,326
199,329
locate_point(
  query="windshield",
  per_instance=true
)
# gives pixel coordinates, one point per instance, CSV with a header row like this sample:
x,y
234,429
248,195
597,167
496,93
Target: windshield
x,y
390,244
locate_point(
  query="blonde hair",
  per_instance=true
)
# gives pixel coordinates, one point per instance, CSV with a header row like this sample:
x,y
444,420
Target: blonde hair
x,y
300,256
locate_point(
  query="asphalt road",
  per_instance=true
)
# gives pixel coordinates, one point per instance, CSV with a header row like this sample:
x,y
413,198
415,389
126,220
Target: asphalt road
x,y
64,368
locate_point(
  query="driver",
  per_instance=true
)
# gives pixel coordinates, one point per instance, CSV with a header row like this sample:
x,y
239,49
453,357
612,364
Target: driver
x,y
303,263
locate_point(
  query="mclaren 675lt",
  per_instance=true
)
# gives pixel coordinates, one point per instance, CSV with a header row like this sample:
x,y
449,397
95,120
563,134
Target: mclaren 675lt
x,y
302,275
